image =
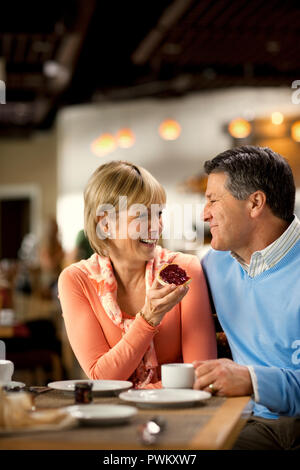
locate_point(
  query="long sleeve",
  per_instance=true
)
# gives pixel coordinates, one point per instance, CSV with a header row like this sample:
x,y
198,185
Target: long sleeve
x,y
87,339
197,327
279,389
197,331
260,317
186,333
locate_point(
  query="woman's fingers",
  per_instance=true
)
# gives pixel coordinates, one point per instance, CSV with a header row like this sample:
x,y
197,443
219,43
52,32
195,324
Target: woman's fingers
x,y
161,300
161,291
176,296
156,284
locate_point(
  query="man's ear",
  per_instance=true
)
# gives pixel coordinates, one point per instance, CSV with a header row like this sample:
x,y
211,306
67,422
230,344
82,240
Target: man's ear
x,y
257,202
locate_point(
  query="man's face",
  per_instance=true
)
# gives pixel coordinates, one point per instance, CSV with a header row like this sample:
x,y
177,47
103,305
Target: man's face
x,y
228,217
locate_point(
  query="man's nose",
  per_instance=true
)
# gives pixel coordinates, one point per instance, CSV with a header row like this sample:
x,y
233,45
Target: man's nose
x,y
206,213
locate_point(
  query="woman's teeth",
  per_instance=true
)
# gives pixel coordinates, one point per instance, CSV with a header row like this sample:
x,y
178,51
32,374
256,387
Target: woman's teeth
x,y
149,242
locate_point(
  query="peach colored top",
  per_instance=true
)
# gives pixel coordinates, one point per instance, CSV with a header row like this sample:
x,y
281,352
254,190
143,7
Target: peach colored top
x,y
185,334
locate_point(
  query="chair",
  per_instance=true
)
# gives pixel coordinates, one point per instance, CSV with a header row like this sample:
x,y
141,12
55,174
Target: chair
x,y
223,348
36,357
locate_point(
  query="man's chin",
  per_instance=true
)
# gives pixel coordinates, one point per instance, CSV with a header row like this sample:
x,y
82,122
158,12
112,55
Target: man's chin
x,y
217,245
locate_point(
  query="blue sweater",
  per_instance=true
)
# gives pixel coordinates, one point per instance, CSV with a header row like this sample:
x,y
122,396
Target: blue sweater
x,y
261,319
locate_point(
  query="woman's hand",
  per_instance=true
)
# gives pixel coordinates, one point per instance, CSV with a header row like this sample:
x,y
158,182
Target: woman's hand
x,y
161,299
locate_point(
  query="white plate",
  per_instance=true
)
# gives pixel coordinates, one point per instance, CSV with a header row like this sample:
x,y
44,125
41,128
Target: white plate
x,y
166,397
100,387
11,385
94,414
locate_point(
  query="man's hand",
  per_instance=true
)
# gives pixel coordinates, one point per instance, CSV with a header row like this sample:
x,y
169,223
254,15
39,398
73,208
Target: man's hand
x,y
227,377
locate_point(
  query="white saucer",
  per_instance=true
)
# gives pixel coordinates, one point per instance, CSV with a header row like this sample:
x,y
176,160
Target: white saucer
x,y
12,385
100,387
165,398
94,414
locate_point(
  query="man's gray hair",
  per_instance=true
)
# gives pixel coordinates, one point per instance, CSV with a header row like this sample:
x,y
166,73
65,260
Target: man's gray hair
x,y
251,168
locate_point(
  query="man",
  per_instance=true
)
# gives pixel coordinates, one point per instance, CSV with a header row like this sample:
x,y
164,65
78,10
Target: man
x,y
253,273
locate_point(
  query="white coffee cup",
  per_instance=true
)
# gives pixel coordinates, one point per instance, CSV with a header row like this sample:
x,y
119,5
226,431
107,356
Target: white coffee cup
x,y
6,371
178,375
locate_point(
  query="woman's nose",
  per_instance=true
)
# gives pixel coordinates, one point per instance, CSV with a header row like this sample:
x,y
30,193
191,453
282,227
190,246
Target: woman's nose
x,y
155,227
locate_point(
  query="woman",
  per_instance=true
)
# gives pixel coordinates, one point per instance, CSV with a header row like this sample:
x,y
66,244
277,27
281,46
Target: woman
x,y
121,323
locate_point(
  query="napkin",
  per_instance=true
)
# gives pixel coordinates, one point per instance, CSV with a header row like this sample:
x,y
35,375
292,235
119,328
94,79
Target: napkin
x,y
18,414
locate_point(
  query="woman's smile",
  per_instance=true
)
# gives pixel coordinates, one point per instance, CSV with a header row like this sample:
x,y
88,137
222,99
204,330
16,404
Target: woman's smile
x,y
148,242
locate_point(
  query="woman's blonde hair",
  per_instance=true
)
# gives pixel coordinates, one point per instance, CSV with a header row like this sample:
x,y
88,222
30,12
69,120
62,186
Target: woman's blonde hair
x,y
110,181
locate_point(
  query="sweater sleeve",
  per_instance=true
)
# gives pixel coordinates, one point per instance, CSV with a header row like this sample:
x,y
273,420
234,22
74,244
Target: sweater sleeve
x,y
94,354
278,389
198,332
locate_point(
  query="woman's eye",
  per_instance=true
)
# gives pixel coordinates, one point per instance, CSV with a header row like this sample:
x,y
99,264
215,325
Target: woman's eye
x,y
142,216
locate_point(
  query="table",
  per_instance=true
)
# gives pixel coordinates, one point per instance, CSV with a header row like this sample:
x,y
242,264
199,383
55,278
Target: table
x,y
213,424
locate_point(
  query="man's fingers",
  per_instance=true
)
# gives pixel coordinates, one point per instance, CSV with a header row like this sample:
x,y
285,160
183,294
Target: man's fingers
x,y
197,363
206,366
204,381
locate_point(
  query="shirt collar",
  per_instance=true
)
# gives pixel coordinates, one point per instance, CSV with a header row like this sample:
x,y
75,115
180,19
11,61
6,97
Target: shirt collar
x,y
276,250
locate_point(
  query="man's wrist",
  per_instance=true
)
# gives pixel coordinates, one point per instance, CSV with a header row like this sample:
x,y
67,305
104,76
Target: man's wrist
x,y
253,377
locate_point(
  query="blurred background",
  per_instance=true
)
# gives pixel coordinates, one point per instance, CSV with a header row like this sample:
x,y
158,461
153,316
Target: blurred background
x,y
163,84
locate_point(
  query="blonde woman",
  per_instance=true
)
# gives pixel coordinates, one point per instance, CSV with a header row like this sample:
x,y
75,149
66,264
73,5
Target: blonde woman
x,y
121,323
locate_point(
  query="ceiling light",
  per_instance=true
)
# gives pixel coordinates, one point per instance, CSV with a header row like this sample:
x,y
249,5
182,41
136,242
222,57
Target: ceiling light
x,y
277,118
51,68
239,128
295,131
103,145
169,129
56,71
125,138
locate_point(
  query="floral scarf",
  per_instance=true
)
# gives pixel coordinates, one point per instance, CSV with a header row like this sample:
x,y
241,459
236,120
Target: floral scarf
x,y
100,271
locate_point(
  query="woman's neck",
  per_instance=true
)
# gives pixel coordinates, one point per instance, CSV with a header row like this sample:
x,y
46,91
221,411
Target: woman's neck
x,y
127,273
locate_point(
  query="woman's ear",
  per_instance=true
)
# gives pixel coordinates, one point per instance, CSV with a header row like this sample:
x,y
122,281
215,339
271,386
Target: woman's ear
x,y
106,221
103,227
257,203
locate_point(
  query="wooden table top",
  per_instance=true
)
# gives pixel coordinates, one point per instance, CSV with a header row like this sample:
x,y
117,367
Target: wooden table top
x,y
213,424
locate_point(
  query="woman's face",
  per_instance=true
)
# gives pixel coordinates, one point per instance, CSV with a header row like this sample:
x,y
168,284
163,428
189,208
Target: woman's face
x,y
136,233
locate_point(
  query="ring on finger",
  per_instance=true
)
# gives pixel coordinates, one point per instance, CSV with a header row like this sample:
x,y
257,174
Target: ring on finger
x,y
212,389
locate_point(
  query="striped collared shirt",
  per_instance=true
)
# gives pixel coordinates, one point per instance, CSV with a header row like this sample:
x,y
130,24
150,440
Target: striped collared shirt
x,y
272,254
265,259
